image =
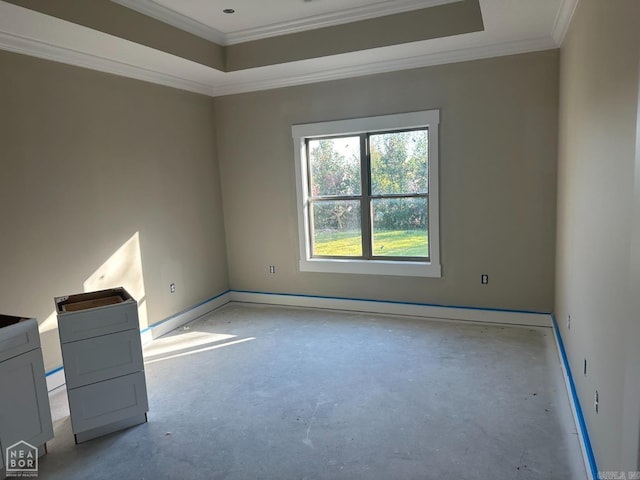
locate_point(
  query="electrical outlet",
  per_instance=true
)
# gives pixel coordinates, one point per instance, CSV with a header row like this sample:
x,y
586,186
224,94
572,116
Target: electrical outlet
x,y
585,367
484,279
172,288
596,402
272,269
568,322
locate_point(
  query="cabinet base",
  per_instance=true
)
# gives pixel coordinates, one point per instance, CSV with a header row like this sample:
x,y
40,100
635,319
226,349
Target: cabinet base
x,y
112,427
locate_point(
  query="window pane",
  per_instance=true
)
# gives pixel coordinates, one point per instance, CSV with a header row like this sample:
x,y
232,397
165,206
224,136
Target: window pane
x,y
399,162
336,228
334,165
400,227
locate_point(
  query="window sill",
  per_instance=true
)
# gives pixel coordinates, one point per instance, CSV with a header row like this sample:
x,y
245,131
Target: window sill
x,y
371,267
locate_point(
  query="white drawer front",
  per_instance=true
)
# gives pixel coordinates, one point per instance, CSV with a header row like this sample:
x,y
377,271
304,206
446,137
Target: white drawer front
x,y
101,358
106,402
98,321
19,338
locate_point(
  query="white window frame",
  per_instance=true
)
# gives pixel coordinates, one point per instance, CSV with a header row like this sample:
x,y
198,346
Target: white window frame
x,y
300,133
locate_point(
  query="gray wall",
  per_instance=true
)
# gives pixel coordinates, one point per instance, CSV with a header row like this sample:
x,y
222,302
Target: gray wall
x,y
498,155
104,181
109,17
427,23
598,245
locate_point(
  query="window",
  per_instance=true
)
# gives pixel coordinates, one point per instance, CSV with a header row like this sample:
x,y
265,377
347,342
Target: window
x,y
368,195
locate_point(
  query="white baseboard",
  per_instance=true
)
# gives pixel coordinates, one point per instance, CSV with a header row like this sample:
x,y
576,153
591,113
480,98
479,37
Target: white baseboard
x,y
146,336
161,328
55,379
576,410
398,308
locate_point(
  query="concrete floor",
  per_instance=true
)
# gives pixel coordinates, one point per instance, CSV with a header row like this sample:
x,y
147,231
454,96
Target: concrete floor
x,y
257,392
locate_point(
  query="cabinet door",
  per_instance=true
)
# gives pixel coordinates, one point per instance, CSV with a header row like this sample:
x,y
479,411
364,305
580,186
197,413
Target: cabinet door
x,y
18,339
24,403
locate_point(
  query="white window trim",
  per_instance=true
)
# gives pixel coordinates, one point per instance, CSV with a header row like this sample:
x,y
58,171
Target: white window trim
x,y
427,118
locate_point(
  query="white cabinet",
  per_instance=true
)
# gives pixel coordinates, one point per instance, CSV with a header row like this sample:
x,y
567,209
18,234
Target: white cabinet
x,y
25,414
103,365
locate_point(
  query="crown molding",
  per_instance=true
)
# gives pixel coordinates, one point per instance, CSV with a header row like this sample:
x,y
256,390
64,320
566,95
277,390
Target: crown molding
x,y
28,46
173,18
330,19
34,48
441,58
563,20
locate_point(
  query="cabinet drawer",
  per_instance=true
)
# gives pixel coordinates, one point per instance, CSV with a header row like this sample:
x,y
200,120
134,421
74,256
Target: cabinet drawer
x,y
74,326
107,402
18,338
101,358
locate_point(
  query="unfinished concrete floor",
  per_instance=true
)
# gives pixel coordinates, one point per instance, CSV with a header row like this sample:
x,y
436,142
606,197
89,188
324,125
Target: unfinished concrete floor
x,y
257,392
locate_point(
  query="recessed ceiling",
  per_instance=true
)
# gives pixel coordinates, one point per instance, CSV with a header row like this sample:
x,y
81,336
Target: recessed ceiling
x,y
508,27
254,19
251,14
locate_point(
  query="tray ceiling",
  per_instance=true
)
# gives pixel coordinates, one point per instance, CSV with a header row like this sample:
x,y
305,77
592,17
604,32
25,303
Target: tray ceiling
x,y
193,45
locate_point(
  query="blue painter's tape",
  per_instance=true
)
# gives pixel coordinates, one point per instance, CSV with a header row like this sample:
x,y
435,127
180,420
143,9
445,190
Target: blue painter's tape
x,y
574,395
393,302
55,370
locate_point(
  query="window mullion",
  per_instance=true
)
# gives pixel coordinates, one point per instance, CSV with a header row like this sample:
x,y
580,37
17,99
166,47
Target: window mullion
x,y
308,200
311,229
365,208
309,172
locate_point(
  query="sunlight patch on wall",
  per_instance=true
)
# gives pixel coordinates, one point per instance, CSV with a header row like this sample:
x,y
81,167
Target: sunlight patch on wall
x,y
123,269
50,323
